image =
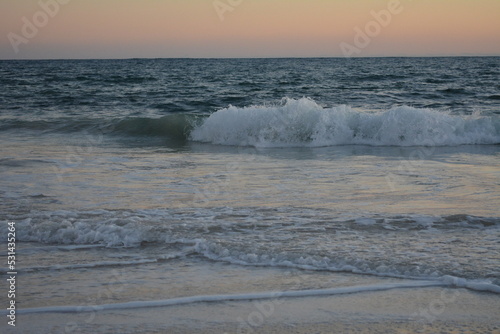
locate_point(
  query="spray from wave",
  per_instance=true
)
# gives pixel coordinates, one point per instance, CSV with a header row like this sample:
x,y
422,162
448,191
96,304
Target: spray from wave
x,y
304,123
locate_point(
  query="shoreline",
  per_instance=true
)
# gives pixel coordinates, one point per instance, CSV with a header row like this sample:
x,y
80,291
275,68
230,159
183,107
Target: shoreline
x,y
412,310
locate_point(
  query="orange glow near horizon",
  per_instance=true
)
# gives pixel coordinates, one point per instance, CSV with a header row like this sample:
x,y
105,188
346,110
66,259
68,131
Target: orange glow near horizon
x,y
250,28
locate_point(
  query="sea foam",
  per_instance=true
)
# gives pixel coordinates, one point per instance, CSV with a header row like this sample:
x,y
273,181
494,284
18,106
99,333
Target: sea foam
x,y
243,243
235,297
449,282
304,123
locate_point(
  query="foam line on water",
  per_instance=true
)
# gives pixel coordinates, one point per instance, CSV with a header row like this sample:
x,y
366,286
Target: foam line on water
x,y
253,260
471,285
235,297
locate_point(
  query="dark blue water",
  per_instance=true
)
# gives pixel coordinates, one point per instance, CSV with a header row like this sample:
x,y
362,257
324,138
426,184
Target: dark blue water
x,y
72,94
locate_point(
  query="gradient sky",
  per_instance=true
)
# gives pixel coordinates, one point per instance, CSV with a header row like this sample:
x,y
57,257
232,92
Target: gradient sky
x,y
249,28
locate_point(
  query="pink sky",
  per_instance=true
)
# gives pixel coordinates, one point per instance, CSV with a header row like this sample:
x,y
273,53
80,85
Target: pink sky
x,y
246,28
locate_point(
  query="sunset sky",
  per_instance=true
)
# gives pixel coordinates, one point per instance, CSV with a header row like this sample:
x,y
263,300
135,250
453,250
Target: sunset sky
x,y
246,28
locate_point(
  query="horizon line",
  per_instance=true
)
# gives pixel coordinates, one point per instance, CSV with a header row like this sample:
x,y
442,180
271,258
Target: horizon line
x,y
263,57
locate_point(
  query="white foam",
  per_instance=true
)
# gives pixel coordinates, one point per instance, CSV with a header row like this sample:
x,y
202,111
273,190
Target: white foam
x,y
471,284
305,123
235,297
215,252
446,281
133,229
76,228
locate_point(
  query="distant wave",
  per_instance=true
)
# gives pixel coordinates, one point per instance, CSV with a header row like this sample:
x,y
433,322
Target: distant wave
x,y
304,123
174,126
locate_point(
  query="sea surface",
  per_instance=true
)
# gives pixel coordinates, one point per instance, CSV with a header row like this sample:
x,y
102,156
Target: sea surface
x,y
148,180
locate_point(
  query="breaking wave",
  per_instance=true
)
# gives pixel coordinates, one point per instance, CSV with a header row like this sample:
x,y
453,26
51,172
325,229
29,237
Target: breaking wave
x,y
292,123
304,123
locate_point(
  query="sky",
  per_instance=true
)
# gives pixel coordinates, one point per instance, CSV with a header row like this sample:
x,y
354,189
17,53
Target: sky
x,y
60,29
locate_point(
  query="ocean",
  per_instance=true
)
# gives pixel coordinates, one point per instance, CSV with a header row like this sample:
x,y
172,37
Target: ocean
x,y
144,183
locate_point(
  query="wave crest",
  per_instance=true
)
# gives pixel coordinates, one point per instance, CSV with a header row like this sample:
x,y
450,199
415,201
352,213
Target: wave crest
x,y
303,122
